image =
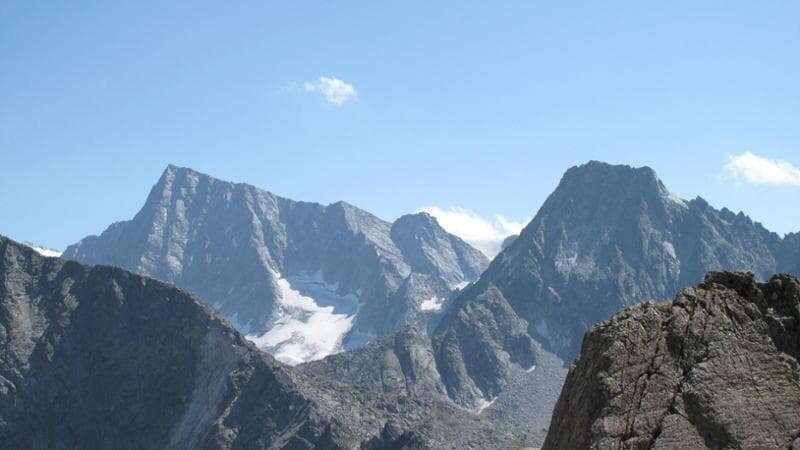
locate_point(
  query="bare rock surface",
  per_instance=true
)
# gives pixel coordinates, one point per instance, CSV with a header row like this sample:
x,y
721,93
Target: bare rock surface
x,y
715,368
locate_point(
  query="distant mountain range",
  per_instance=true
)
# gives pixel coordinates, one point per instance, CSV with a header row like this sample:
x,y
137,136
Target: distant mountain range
x,y
301,279
413,304
101,358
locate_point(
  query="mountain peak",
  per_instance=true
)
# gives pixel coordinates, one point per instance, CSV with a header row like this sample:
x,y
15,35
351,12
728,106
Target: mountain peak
x,y
598,188
598,172
172,170
419,219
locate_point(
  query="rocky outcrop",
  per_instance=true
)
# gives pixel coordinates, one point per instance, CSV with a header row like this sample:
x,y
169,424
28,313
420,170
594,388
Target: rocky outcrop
x,y
232,244
715,368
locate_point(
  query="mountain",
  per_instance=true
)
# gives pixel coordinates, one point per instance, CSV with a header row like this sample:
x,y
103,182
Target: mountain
x,y
98,357
301,279
608,237
715,368
612,236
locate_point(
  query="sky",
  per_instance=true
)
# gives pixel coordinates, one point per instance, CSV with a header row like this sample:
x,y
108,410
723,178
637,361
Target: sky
x,y
470,110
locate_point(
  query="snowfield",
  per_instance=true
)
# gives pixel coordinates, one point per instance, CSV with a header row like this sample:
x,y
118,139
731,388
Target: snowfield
x,y
311,320
44,251
432,304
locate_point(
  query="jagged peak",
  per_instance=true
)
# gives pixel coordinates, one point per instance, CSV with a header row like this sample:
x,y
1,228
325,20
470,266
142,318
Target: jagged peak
x,y
418,219
356,217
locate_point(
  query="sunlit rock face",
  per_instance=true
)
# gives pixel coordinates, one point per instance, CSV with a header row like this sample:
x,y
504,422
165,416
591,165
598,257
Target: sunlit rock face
x,y
302,279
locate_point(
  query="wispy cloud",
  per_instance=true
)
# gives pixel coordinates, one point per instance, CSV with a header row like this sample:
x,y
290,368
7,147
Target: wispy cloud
x,y
483,233
334,90
755,169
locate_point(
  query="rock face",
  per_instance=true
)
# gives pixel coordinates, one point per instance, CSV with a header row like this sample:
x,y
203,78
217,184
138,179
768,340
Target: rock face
x,y
281,269
716,368
98,357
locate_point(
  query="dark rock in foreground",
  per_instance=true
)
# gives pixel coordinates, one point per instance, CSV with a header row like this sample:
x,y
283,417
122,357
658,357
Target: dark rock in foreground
x,y
716,368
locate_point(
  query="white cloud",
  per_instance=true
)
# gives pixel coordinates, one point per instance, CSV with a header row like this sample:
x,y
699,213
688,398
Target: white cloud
x,y
333,89
484,234
755,169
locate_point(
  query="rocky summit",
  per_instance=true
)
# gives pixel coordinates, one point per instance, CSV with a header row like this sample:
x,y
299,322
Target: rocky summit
x,y
301,279
715,368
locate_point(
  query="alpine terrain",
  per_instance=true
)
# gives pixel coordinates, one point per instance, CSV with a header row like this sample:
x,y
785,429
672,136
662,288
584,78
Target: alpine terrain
x,y
608,237
301,280
98,357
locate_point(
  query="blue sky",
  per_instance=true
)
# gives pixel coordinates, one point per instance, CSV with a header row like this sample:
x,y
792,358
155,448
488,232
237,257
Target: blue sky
x,y
452,104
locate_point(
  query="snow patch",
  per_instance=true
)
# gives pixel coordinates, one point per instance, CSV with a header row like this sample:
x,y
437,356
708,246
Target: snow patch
x,y
461,285
432,304
44,251
670,249
566,262
310,322
676,200
483,404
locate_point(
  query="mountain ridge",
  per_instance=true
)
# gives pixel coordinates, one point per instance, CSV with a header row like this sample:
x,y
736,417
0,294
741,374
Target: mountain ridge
x,y
239,247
